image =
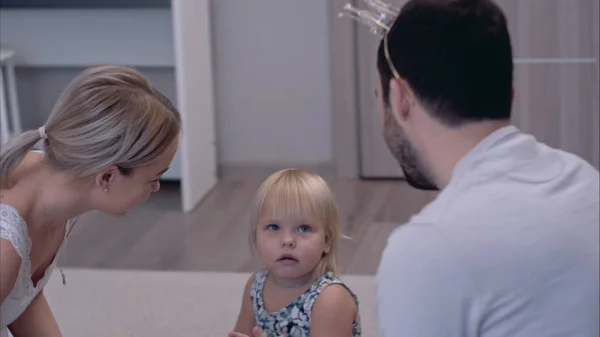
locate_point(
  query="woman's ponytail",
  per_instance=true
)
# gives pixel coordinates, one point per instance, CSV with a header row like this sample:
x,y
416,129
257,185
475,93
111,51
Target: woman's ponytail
x,y
13,152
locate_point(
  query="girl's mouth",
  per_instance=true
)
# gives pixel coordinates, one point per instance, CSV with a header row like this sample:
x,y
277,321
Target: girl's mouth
x,y
287,259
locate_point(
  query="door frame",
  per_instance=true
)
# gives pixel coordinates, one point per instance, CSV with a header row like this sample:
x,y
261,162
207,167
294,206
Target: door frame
x,y
344,92
195,99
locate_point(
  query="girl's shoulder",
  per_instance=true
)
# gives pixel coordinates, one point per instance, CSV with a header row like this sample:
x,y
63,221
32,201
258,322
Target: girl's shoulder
x,y
329,279
257,281
322,283
334,296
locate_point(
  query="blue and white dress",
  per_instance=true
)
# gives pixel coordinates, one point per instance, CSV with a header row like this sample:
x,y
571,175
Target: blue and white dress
x,y
294,320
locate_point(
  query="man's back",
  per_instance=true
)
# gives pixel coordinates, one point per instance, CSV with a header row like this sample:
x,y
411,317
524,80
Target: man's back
x,y
509,248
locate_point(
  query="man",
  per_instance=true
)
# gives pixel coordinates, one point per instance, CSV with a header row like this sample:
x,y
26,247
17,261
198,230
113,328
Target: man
x,y
510,246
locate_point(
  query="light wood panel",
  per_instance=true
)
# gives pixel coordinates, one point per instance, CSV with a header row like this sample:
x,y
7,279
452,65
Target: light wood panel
x,y
345,140
555,46
376,161
552,28
558,103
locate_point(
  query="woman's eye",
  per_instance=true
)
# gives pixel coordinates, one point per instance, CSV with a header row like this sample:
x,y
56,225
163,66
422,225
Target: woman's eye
x,y
272,227
304,228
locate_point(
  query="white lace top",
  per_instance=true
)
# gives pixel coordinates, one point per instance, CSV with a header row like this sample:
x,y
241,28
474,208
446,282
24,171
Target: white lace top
x,y
14,229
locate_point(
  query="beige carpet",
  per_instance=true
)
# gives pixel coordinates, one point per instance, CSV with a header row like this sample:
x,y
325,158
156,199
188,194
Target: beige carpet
x,y
101,303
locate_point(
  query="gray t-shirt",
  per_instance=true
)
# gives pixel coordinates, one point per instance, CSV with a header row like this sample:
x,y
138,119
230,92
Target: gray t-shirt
x,y
509,249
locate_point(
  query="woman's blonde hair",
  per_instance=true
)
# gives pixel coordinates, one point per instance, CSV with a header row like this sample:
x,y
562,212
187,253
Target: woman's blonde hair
x,y
298,193
107,115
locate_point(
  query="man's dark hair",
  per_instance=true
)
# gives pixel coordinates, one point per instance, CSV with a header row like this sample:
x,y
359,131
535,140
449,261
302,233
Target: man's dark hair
x,y
456,55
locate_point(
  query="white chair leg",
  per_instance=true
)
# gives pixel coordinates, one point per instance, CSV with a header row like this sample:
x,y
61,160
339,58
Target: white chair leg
x,y
13,100
4,131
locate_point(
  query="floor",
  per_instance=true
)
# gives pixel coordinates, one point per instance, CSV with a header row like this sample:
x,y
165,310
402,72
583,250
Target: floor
x,y
214,237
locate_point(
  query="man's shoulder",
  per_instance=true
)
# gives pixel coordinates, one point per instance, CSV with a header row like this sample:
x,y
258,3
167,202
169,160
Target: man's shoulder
x,y
419,253
417,242
412,230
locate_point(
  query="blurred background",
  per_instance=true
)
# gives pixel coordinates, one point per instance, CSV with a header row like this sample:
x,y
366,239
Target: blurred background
x,y
264,85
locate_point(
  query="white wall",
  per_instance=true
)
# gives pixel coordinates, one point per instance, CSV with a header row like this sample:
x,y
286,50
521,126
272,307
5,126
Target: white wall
x,y
66,37
273,80
271,67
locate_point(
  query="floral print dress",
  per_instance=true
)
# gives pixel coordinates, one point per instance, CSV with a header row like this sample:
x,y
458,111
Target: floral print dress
x,y
293,320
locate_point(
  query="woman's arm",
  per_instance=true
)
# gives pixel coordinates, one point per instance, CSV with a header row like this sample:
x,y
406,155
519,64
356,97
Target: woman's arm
x,y
245,321
36,321
333,313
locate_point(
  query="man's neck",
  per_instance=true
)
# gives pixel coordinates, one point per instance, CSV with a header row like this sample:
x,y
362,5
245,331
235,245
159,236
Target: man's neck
x,y
447,146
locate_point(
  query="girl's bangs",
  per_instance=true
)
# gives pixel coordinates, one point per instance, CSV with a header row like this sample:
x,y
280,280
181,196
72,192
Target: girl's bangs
x,y
290,199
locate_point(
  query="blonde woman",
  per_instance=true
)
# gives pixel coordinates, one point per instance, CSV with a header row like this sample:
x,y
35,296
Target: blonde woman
x,y
108,140
295,229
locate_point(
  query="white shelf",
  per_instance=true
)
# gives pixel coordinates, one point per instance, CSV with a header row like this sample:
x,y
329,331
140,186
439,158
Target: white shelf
x,y
80,38
136,38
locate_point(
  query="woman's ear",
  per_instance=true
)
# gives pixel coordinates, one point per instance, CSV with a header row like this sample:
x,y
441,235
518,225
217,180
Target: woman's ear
x,y
104,179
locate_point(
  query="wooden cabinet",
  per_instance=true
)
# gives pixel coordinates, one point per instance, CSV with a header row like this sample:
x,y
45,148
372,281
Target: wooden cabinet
x,y
555,47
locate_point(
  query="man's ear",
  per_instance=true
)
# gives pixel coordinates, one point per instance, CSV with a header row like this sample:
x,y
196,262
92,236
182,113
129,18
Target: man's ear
x,y
401,99
104,179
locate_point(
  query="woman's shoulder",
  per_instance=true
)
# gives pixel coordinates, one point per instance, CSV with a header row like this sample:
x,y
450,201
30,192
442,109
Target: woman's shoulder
x,y
14,230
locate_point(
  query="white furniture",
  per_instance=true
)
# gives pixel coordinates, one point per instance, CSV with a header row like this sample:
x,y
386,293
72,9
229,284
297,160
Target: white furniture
x,y
178,38
9,126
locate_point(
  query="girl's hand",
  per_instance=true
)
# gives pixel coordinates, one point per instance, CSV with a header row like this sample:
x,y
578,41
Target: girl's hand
x,y
256,332
237,334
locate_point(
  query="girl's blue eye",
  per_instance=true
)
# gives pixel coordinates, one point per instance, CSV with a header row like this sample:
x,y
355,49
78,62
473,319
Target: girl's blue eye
x,y
272,227
304,228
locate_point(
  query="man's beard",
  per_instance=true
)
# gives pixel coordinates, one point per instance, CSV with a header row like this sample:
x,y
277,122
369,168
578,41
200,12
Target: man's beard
x,y
406,154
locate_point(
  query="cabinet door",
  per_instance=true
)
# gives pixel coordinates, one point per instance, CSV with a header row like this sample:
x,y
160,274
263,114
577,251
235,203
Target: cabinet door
x,y
555,45
558,104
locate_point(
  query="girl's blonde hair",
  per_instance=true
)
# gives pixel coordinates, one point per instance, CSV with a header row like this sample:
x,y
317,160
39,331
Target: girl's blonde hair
x,y
107,115
298,193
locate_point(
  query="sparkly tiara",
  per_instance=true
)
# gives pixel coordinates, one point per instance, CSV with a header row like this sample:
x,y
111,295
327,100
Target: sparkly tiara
x,y
378,18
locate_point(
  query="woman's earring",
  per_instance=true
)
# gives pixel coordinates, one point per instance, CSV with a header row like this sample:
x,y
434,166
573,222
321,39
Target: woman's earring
x,y
105,190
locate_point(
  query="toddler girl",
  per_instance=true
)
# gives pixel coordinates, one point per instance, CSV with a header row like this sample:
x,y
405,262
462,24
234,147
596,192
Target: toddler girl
x,y
295,230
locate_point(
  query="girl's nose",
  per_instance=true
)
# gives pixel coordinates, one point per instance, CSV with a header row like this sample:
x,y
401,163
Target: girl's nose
x,y
288,241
